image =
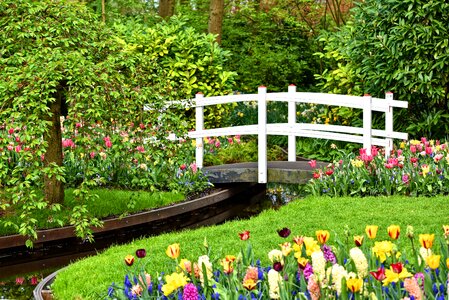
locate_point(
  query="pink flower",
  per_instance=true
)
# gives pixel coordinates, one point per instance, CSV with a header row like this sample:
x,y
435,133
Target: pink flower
x,y
78,125
438,157
314,289
68,143
399,152
34,280
312,163
107,142
405,178
11,130
20,280
141,149
18,148
217,143
193,167
412,148
190,292
429,150
366,158
10,147
389,166
362,151
329,172
237,139
316,175
92,154
183,167
374,150
423,140
230,140
142,126
412,287
413,160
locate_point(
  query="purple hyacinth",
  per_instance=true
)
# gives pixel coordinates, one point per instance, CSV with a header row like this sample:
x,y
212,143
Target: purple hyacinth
x,y
190,292
328,254
308,271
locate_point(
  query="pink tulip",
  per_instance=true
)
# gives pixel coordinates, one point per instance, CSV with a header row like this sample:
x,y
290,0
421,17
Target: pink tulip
x,y
194,167
429,150
412,148
11,131
312,163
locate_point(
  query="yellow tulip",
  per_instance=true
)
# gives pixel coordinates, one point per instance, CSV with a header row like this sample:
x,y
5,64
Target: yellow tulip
x,y
358,240
394,231
249,284
426,240
433,261
173,251
322,236
354,284
371,231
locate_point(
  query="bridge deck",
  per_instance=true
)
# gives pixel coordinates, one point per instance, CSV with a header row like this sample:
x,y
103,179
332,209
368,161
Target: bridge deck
x,y
278,171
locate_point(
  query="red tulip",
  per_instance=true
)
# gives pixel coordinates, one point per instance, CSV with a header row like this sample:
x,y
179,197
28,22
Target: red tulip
x,y
244,235
379,275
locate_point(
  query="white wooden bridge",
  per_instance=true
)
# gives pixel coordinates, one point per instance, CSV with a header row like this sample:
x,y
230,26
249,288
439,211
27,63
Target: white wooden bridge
x,y
366,135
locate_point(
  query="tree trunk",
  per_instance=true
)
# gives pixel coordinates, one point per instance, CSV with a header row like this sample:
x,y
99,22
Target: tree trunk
x,y
53,188
216,18
166,8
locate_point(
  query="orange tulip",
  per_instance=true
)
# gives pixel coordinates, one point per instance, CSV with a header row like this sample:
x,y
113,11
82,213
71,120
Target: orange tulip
x,y
173,251
358,240
322,236
129,260
426,240
394,231
371,231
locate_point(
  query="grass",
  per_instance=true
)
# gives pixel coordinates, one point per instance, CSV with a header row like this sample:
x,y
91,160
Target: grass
x,y
90,278
110,202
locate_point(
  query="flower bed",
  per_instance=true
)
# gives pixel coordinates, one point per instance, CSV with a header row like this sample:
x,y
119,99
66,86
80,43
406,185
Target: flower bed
x,y
301,268
415,168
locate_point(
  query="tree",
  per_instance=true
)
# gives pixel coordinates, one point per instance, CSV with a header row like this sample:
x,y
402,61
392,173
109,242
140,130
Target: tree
x,y
58,60
166,8
216,13
400,46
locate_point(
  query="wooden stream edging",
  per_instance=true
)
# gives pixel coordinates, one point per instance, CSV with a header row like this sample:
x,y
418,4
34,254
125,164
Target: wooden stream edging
x,y
58,247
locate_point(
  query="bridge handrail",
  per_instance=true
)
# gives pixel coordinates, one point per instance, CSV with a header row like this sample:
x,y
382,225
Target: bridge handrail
x,y
364,135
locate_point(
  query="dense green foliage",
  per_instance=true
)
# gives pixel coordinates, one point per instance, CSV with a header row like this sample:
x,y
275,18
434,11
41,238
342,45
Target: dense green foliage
x,y
399,46
343,217
58,51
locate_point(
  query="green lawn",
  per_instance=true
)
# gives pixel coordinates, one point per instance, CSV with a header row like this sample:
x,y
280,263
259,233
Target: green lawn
x,y
110,202
89,277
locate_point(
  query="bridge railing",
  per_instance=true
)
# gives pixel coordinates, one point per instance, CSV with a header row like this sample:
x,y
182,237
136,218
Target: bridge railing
x,y
365,135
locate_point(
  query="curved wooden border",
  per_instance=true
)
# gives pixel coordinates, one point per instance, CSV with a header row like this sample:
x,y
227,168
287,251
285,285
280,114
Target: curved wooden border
x,y
115,223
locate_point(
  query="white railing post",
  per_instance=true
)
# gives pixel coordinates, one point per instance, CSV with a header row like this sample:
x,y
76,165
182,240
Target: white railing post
x,y
262,134
389,124
291,123
367,99
199,118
